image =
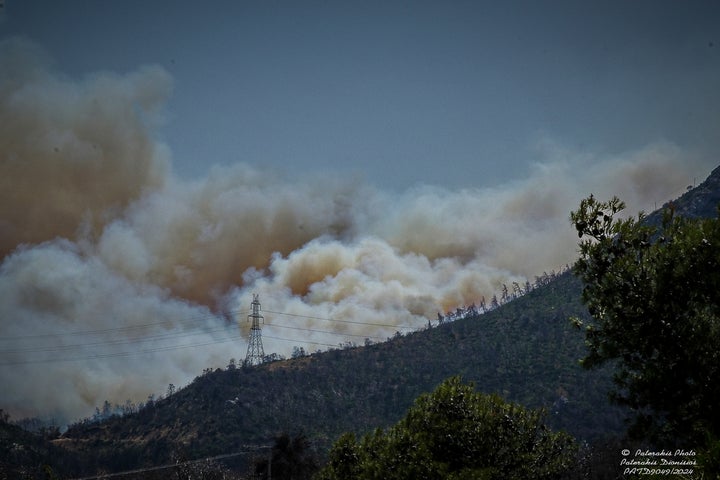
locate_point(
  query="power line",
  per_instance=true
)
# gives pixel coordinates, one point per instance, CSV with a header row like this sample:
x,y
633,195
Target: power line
x,y
173,465
323,331
165,336
108,343
108,330
116,354
341,321
192,319
166,348
304,341
172,336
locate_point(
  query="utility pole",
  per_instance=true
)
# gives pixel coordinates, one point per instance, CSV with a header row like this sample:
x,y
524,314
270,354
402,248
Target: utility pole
x,y
255,353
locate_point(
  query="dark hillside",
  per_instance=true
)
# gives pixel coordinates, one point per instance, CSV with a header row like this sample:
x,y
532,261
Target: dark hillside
x,y
30,455
699,202
526,350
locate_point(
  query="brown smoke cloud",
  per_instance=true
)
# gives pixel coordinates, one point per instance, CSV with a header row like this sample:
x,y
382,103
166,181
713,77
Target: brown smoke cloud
x,y
198,238
118,278
72,151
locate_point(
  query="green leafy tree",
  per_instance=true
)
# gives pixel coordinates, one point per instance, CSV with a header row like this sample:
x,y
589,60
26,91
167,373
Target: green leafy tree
x,y
455,433
654,295
291,459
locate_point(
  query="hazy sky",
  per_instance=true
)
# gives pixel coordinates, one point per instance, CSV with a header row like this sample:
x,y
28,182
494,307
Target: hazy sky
x,y
443,93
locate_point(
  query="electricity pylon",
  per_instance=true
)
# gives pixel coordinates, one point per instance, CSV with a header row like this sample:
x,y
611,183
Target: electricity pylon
x,y
255,353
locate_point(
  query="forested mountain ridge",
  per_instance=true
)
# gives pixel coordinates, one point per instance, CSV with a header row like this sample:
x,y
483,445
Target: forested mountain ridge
x,y
527,351
701,201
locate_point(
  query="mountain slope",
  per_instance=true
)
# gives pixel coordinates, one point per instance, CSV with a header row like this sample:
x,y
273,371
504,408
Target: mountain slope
x,y
699,202
526,350
29,455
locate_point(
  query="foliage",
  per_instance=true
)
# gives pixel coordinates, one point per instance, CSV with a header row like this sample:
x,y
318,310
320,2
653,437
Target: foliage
x,y
455,433
653,294
28,455
290,459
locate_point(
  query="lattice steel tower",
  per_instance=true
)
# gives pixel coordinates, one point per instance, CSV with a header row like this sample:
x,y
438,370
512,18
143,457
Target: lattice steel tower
x,y
255,353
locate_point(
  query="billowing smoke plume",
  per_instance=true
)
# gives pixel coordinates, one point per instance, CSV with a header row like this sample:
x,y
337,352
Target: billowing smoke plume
x,y
72,152
118,278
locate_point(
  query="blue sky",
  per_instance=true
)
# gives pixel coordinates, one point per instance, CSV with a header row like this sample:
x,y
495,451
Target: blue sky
x,y
454,94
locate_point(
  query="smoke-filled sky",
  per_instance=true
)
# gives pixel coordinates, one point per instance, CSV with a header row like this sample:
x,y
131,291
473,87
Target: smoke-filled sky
x,y
359,165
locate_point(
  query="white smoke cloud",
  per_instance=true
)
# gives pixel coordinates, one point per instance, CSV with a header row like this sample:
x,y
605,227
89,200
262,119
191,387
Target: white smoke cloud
x,y
69,323
110,263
